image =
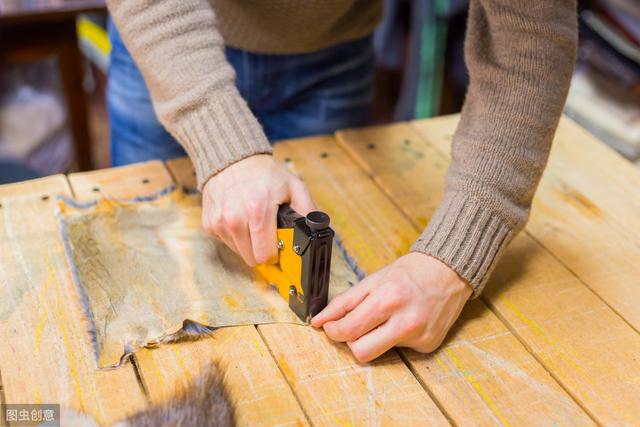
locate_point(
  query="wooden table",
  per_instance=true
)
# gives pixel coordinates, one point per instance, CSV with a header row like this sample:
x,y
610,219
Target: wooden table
x,y
552,341
33,30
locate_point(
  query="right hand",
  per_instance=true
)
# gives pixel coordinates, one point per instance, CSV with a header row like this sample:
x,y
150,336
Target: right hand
x,y
240,206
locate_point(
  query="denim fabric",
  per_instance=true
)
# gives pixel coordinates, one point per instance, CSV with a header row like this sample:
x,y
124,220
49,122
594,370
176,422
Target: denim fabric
x,y
291,95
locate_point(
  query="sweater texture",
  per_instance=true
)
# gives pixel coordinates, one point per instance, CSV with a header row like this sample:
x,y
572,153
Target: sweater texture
x,y
519,55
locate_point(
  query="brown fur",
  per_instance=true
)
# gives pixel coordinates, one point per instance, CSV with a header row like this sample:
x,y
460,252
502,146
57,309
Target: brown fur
x,y
204,403
190,331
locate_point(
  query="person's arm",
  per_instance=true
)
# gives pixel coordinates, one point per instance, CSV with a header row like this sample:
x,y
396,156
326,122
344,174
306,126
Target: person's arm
x,y
180,52
520,56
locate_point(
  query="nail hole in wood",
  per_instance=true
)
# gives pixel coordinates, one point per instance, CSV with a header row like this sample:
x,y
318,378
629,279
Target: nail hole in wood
x,y
371,146
145,181
287,159
95,189
44,198
324,155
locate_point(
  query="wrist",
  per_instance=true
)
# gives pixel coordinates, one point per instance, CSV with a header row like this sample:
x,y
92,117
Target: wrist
x,y
443,274
249,162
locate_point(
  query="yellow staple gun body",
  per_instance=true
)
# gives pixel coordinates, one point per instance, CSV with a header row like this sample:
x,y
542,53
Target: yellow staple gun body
x,y
301,274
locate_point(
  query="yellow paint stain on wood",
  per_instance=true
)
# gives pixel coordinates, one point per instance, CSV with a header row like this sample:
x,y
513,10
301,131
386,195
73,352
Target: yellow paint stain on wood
x,y
476,385
42,303
286,369
231,301
578,200
71,356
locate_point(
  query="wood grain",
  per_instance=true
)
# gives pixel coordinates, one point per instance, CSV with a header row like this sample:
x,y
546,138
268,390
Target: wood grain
x,y
584,344
482,375
47,355
240,349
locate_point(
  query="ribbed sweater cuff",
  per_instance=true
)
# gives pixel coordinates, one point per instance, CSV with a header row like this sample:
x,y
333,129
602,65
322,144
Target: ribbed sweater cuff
x,y
220,133
466,236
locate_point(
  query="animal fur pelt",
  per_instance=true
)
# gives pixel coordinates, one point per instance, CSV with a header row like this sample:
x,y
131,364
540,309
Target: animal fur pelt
x,y
204,403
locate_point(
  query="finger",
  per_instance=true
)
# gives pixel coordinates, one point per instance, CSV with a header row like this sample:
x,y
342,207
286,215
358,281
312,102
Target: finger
x,y
237,229
371,345
214,227
242,240
342,304
362,319
301,200
227,240
262,230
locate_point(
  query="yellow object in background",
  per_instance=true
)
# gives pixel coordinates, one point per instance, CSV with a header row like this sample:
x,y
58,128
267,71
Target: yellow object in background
x,y
94,42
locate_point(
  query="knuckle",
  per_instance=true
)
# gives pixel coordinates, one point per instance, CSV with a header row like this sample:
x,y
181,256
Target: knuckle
x,y
263,256
297,187
233,221
414,322
210,224
403,293
429,343
256,207
360,355
330,330
340,300
390,302
334,331
348,333
296,183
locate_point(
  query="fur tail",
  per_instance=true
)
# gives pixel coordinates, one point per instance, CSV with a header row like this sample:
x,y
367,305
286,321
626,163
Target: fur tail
x,y
204,402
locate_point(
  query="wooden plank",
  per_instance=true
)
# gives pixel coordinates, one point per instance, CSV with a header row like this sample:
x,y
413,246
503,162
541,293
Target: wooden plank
x,y
585,211
331,387
260,393
47,354
482,375
50,186
586,346
128,182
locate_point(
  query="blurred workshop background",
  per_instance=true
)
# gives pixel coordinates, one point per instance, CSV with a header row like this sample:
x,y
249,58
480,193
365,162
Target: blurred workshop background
x,y
54,58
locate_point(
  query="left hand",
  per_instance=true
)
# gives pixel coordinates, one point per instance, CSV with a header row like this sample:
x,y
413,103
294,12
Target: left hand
x,y
410,303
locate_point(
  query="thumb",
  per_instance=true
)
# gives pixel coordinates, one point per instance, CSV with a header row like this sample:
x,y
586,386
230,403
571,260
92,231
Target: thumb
x,y
301,200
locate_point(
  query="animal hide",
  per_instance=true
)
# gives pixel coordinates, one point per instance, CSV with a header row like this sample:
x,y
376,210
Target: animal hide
x,y
146,269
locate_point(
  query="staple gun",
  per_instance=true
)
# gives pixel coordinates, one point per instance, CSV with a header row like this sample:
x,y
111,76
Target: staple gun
x,y
301,274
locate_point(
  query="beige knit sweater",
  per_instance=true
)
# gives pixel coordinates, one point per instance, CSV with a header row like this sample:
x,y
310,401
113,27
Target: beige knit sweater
x,y
519,53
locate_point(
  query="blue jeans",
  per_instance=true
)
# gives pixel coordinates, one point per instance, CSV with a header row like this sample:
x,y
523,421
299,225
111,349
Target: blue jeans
x,y
291,95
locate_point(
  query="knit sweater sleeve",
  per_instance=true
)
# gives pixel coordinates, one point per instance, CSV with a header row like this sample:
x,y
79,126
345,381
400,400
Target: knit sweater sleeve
x,y
520,56
180,53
